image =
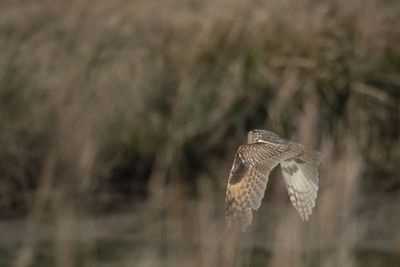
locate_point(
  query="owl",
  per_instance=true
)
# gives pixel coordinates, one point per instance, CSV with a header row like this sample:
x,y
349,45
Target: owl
x,y
249,176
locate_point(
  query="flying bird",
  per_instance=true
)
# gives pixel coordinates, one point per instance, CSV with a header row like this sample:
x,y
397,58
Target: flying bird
x,y
251,167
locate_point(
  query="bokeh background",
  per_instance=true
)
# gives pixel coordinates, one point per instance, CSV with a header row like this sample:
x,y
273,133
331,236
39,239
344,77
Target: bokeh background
x,y
119,121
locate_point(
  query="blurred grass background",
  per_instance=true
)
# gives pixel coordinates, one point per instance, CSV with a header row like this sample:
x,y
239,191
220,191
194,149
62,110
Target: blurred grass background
x,y
119,121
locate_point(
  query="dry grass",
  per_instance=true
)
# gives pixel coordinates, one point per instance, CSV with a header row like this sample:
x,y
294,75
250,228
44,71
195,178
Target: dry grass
x,y
119,121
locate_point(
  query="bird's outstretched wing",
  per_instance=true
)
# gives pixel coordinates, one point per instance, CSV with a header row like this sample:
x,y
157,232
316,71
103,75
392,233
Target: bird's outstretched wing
x,y
248,179
301,178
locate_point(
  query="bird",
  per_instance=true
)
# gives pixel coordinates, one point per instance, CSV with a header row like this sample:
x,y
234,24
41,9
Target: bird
x,y
252,164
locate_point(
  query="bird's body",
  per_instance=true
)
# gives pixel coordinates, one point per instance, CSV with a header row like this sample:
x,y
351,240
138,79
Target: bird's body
x,y
249,176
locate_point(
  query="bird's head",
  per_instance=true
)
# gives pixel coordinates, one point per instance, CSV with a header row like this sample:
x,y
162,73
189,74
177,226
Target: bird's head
x,y
256,136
